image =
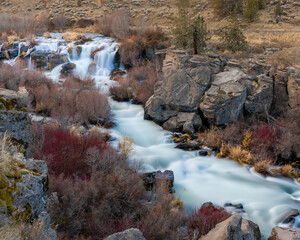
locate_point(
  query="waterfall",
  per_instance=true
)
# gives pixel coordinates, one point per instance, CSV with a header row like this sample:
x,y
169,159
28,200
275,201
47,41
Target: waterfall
x,y
198,179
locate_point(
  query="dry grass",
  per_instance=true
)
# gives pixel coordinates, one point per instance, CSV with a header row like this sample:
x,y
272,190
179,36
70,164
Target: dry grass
x,y
224,151
34,231
288,171
281,39
240,155
286,57
262,167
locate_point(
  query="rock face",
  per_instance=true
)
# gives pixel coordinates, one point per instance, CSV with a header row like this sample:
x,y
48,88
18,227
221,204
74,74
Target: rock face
x,y
177,95
200,90
234,228
279,233
23,194
260,94
14,119
224,101
129,234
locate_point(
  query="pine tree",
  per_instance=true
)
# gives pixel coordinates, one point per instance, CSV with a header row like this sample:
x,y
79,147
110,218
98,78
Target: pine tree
x,y
233,37
200,34
251,12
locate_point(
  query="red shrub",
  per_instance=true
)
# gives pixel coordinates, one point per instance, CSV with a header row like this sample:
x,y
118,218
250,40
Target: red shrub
x,y
65,153
263,142
201,221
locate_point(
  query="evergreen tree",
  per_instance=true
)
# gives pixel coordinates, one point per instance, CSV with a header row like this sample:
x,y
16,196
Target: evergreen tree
x,y
233,37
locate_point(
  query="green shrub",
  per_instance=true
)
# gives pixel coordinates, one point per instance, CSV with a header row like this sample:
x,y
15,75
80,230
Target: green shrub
x,y
278,9
233,37
181,30
187,32
261,4
200,32
251,11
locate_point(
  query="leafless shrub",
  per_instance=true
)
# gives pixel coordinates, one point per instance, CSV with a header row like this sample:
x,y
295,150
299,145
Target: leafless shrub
x,y
60,22
20,24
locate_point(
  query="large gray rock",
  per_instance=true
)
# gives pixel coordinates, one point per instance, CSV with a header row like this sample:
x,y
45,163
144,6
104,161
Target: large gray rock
x,y
177,90
14,119
280,233
129,234
40,58
280,96
56,59
260,95
183,121
224,101
234,228
27,186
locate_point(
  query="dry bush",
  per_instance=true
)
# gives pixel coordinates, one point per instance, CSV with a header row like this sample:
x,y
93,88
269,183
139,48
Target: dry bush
x,y
99,206
17,23
91,107
162,220
116,25
74,102
10,76
264,139
201,221
131,51
142,80
233,133
263,166
288,171
78,83
211,139
224,151
240,155
121,23
60,22
121,92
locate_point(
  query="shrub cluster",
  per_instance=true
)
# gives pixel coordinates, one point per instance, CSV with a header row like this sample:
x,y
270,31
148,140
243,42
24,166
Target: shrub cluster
x,y
137,85
98,192
74,101
257,144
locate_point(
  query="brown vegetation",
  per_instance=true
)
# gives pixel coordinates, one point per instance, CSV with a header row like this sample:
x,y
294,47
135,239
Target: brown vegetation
x,y
137,85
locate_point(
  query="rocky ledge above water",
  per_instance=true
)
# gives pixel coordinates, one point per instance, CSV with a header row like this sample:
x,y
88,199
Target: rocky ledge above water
x,y
196,91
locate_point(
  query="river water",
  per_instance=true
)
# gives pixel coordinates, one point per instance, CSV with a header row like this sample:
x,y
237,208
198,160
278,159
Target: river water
x,y
198,179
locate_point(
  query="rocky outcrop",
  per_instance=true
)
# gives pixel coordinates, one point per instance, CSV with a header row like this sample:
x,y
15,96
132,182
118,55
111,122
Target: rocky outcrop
x,y
14,119
224,101
56,59
260,95
129,234
280,233
151,178
234,228
200,90
177,94
67,68
23,195
293,89
40,59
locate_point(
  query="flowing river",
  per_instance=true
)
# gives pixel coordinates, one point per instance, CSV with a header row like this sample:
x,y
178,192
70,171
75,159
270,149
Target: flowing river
x,y
198,179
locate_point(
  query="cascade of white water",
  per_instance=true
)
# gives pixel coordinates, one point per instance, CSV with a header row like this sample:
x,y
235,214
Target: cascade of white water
x,y
198,179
